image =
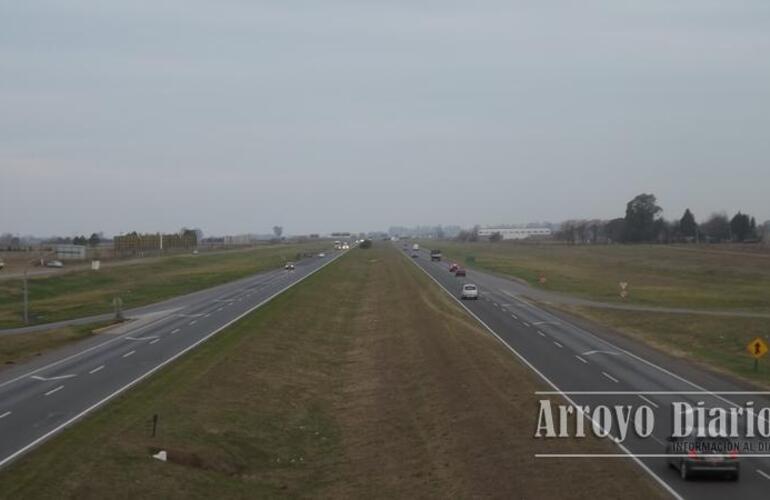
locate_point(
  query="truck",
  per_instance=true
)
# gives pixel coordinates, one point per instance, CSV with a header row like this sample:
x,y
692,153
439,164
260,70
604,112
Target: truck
x,y
435,254
416,247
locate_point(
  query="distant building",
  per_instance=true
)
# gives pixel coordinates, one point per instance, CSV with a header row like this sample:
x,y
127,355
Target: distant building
x,y
136,244
515,233
70,252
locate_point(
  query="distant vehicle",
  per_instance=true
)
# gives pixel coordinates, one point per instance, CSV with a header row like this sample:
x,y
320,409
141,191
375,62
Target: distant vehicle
x,y
54,263
416,247
460,272
2,265
470,292
322,255
195,252
289,266
345,246
435,255
415,254
706,456
453,267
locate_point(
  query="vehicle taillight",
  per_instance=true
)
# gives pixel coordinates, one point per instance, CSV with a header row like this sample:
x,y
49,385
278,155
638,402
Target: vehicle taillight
x,y
734,453
692,453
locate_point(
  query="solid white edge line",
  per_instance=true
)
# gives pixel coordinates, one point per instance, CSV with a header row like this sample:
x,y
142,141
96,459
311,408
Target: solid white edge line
x,y
146,374
627,452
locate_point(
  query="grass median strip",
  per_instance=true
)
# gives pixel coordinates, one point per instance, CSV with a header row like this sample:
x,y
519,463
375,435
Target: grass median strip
x,y
20,347
364,380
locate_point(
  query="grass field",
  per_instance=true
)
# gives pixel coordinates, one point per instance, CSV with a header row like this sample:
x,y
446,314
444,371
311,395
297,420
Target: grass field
x,y
18,348
364,381
717,342
658,275
85,293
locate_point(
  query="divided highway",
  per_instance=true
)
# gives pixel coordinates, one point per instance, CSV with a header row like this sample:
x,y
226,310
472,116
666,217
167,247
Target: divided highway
x,y
38,400
574,361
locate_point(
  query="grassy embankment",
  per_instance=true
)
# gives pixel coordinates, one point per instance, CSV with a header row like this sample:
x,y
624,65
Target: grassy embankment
x,y
704,277
364,381
84,293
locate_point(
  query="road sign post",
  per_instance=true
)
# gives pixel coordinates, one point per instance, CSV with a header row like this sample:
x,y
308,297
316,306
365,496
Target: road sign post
x,y
757,348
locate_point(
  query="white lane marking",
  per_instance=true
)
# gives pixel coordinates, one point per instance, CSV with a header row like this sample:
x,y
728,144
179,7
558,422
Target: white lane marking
x,y
763,474
591,353
97,369
149,372
46,379
129,353
141,338
207,315
80,353
154,341
557,344
219,309
5,414
610,377
190,315
525,324
540,374
541,333
581,359
175,330
649,401
54,390
546,323
192,322
514,316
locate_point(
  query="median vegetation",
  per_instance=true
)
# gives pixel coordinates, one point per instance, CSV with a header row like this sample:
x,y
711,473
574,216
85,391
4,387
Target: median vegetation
x,y
363,381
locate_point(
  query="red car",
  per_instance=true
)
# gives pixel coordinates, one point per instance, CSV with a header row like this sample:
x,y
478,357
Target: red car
x,y
453,268
460,272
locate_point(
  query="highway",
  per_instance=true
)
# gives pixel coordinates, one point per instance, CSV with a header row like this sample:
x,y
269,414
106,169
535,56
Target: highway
x,y
573,360
38,400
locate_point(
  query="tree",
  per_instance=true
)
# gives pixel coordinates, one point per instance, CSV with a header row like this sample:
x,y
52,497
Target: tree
x,y
717,227
641,213
278,231
616,229
740,227
687,225
495,237
366,244
94,240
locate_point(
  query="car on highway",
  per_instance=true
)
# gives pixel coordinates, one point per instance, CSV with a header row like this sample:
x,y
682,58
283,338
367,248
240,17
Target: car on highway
x,y
460,272
2,264
705,456
54,263
289,266
453,267
470,292
322,255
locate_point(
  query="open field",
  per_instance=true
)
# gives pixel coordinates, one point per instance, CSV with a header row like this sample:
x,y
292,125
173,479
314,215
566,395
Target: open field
x,y
702,277
364,381
716,342
83,293
16,349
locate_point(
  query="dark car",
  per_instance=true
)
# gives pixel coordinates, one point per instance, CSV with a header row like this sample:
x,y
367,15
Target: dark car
x,y
460,272
703,456
453,268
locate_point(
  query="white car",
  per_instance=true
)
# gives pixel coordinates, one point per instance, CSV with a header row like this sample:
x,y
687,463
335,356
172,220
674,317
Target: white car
x,y
54,263
470,291
322,255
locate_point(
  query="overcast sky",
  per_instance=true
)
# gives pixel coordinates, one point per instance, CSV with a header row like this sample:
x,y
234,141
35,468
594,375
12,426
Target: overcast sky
x,y
233,116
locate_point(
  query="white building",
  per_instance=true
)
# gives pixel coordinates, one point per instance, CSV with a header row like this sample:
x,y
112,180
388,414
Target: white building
x,y
515,233
70,252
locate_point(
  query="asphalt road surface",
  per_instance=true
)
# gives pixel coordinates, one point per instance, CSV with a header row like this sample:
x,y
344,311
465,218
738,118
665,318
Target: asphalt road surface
x,y
573,360
40,399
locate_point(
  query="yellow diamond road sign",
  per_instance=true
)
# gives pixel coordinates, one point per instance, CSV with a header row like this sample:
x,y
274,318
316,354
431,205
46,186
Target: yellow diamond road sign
x,y
757,347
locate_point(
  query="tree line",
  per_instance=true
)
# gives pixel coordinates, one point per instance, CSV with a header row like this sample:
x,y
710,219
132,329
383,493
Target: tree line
x,y
643,223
